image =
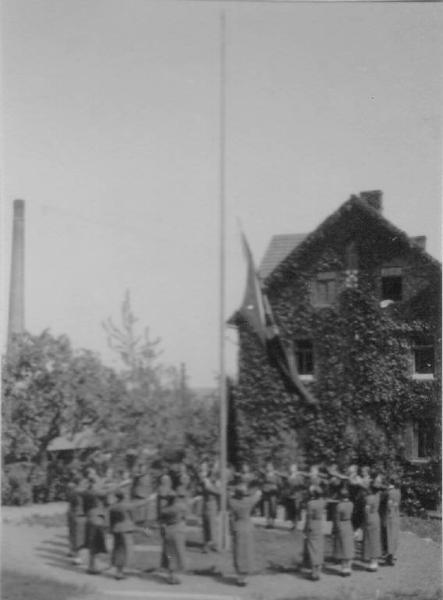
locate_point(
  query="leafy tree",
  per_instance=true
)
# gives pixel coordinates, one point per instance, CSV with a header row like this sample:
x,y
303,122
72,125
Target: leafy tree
x,y
157,409
148,412
49,389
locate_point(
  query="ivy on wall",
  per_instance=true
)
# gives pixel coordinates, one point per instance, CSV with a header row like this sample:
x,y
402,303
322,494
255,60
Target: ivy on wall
x,y
362,358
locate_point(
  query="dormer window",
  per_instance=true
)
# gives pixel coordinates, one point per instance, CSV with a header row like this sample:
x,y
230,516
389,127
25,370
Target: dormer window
x,y
324,288
391,284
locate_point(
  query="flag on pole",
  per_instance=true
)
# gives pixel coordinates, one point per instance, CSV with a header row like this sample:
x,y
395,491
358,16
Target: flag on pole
x,y
257,311
252,309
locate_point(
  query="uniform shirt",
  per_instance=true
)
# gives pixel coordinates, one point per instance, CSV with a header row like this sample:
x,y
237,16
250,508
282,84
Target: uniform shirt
x,y
271,482
120,518
174,514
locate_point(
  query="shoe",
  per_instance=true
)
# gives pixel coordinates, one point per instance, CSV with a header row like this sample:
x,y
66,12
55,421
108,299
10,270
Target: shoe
x,y
77,561
241,582
174,580
119,576
93,572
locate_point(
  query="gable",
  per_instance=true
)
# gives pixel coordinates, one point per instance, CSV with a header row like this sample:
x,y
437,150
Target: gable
x,y
357,217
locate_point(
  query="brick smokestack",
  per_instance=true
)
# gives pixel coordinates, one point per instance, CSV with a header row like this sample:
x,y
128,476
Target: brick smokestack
x,y
419,240
374,199
16,323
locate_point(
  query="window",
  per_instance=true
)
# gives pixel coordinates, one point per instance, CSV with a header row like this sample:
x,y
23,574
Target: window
x,y
418,441
423,360
304,356
324,289
391,284
421,440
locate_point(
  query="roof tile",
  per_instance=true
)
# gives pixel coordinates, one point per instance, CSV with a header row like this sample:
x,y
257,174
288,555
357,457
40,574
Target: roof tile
x,y
278,249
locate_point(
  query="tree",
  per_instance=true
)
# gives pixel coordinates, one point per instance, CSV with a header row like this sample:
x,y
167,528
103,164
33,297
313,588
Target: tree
x,y
157,409
148,412
48,390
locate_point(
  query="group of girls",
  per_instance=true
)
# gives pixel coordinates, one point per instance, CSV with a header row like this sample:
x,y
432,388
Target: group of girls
x,y
355,502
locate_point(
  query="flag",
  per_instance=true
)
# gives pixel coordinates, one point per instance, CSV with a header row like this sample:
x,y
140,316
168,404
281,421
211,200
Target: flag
x,y
252,309
257,311
282,356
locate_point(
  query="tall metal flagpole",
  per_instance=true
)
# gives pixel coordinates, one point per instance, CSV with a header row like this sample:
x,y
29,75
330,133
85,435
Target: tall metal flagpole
x,y
223,409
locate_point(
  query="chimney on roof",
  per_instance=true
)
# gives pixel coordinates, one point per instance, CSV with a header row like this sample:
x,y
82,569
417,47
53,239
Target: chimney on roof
x,y
419,240
374,199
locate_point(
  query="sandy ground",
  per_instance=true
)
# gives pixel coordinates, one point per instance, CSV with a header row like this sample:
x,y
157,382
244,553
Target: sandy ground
x,y
39,550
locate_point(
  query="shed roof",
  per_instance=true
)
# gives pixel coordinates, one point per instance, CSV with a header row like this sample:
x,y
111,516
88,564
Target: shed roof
x,y
278,249
77,441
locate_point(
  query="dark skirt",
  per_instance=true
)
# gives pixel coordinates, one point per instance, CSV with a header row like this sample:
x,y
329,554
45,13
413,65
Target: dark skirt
x,y
141,514
358,514
343,540
390,535
371,538
76,531
243,547
174,547
209,521
122,549
95,536
293,508
270,504
315,544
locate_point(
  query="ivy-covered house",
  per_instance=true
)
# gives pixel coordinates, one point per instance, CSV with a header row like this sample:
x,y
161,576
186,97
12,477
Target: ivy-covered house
x,y
359,302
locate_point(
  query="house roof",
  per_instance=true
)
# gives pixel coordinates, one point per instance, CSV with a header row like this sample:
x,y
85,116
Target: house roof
x,y
77,441
283,249
355,202
278,249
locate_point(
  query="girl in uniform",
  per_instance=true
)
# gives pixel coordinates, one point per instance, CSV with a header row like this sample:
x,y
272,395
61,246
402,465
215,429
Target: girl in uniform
x,y
76,518
173,529
371,528
210,497
241,506
391,522
314,542
343,531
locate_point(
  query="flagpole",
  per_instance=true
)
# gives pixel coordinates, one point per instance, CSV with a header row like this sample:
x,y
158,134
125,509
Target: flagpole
x,y
222,383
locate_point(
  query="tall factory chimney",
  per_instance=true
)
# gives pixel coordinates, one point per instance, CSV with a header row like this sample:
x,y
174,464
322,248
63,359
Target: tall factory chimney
x,y
16,322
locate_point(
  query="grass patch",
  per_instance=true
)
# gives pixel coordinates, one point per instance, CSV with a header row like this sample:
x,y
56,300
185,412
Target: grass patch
x,y
418,595
424,528
58,520
17,586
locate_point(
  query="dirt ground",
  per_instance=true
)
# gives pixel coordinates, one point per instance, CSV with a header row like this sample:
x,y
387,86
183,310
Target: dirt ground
x,y
36,549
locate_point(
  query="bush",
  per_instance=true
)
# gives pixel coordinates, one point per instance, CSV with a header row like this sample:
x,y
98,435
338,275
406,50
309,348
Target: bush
x,y
16,489
421,488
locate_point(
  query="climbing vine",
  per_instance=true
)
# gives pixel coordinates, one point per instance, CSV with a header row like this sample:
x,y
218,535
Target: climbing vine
x,y
362,376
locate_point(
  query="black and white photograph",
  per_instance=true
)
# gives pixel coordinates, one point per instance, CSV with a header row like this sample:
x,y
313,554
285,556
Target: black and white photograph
x,y
221,299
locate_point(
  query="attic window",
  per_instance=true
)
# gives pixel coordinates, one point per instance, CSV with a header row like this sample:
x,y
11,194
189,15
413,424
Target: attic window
x,y
391,284
324,289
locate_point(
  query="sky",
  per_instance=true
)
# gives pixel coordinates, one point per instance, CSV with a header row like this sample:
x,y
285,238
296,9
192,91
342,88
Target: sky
x,y
111,135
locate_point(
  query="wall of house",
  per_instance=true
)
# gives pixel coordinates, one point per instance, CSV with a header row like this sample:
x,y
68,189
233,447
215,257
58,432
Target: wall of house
x,y
363,376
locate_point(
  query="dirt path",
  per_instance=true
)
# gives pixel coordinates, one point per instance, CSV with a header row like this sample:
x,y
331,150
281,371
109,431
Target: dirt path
x,y
39,550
